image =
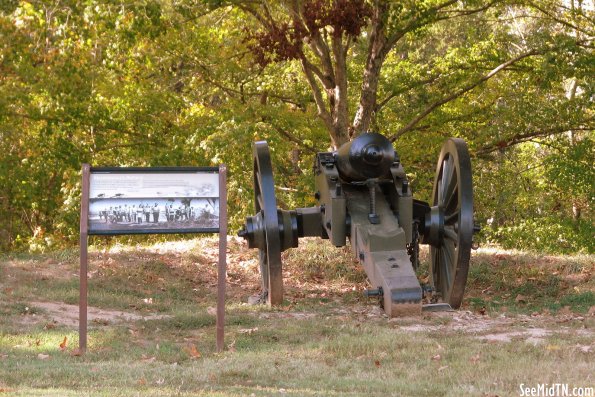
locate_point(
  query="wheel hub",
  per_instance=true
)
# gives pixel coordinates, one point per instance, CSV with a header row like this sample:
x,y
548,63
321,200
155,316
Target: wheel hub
x,y
255,232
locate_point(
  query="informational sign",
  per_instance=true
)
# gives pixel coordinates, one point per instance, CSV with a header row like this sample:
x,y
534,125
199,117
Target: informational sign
x,y
163,200
153,200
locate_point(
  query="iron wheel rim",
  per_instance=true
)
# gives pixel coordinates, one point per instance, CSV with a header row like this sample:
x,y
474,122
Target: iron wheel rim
x,y
266,204
453,193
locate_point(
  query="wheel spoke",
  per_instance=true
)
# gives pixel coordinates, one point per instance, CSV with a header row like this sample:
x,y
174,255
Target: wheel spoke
x,y
442,182
439,268
451,191
452,217
446,270
264,269
447,172
450,234
436,270
451,253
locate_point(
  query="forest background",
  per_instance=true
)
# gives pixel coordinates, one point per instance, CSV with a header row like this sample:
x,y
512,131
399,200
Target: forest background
x,y
191,82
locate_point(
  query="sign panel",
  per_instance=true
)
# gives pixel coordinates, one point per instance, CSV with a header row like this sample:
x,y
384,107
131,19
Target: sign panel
x,y
153,200
150,200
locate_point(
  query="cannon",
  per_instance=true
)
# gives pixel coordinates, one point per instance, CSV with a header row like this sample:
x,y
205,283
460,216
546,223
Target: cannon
x,y
363,196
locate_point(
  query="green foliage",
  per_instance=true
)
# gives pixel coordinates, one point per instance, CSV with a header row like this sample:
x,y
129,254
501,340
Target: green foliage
x,y
547,234
545,203
571,169
156,83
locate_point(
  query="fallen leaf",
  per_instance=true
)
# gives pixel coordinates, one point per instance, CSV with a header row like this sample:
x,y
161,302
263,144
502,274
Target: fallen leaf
x,y
64,343
552,347
193,351
520,299
51,325
475,359
42,356
437,357
377,363
142,381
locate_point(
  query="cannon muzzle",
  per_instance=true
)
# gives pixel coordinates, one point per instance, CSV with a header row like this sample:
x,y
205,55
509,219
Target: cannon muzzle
x,y
368,156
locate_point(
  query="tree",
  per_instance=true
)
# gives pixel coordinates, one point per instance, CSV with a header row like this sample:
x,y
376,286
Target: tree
x,y
181,83
342,47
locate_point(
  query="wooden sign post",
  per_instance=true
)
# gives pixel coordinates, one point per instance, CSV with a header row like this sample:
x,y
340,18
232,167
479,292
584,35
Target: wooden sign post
x,y
153,201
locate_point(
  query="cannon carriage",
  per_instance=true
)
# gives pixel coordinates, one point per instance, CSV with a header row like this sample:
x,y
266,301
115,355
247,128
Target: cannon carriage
x,y
363,196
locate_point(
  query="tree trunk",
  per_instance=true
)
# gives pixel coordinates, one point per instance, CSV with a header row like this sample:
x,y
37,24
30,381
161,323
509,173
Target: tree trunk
x,y
377,51
341,100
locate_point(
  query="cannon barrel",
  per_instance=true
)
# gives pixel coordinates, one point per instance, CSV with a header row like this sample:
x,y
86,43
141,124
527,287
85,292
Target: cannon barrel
x,y
368,156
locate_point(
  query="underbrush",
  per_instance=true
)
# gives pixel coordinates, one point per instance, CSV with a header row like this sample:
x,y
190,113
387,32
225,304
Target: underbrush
x,y
544,235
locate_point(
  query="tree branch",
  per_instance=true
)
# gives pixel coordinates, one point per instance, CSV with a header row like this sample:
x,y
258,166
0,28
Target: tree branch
x,y
459,93
292,138
528,136
395,93
561,21
323,113
463,12
267,24
326,80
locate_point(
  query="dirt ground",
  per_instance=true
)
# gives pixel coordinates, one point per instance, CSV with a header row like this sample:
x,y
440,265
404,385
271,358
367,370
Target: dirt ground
x,y
243,280
532,329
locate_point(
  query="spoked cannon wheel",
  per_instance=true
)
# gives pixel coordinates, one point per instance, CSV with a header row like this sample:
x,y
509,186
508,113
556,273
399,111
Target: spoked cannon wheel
x,y
266,205
453,196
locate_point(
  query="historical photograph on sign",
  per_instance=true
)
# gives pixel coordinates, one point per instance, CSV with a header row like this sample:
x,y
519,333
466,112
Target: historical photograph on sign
x,y
150,214
166,202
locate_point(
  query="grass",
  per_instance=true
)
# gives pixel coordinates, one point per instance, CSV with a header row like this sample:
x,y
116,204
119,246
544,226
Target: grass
x,y
528,283
326,340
